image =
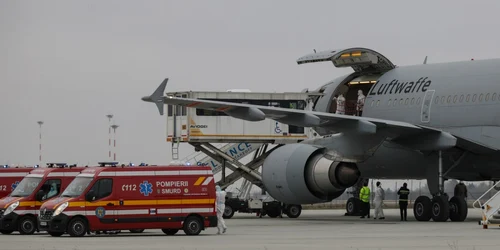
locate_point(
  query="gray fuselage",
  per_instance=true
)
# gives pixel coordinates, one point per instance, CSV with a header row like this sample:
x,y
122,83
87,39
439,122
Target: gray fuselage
x,y
462,98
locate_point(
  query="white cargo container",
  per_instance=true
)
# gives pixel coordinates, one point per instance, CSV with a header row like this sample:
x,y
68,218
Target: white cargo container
x,y
197,125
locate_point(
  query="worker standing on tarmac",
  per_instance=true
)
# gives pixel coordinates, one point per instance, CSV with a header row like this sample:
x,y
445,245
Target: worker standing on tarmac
x,y
379,201
220,202
461,190
364,196
403,193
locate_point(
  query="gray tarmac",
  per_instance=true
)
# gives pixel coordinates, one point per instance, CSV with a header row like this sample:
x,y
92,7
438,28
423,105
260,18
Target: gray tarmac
x,y
314,229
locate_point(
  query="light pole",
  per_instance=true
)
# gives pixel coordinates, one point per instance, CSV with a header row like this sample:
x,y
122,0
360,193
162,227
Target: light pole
x,y
40,123
110,116
114,127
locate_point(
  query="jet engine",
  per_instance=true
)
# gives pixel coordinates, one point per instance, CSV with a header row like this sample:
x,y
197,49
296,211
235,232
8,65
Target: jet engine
x,y
306,174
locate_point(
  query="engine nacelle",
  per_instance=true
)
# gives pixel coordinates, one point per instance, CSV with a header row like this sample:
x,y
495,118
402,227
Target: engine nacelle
x,y
306,174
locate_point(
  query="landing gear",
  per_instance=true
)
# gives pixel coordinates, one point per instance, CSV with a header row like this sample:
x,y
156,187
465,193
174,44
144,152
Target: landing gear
x,y
352,206
458,209
422,208
439,208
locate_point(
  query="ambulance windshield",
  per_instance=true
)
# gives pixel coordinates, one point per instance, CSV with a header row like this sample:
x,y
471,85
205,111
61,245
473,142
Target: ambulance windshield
x,y
77,186
26,187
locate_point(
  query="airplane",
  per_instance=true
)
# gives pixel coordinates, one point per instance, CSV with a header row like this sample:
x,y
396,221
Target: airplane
x,y
431,121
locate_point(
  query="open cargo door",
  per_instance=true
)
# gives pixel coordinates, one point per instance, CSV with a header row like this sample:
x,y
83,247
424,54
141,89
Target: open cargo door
x,y
360,59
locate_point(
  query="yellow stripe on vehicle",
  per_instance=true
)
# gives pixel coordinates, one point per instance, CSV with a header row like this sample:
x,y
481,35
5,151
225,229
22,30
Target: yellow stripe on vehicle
x,y
29,203
199,181
143,202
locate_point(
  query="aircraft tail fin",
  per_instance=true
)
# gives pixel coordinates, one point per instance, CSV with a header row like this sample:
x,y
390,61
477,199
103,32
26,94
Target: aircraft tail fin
x,y
425,60
157,96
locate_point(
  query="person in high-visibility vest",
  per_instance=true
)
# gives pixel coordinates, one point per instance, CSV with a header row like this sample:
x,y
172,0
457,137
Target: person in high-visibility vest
x,y
403,193
364,196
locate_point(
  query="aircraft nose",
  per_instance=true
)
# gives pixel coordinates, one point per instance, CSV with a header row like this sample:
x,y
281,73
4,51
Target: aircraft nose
x,y
146,98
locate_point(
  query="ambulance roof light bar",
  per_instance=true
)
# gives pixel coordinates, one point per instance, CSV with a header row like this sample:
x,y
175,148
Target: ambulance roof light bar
x,y
108,163
52,165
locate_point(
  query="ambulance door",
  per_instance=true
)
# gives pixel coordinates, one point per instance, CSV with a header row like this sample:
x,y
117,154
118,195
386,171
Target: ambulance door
x,y
136,201
49,189
100,206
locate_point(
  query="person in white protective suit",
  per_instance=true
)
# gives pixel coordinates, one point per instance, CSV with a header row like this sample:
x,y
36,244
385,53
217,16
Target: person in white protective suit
x,y
379,201
220,203
340,104
360,103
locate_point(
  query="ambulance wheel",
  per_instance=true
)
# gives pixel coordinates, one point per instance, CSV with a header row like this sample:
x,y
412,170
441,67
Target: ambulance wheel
x,y
458,209
422,208
27,225
170,231
77,227
55,234
192,226
136,231
6,231
228,212
293,211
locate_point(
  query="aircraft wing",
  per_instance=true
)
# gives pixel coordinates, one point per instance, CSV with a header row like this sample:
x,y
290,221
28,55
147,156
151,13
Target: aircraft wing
x,y
403,133
303,118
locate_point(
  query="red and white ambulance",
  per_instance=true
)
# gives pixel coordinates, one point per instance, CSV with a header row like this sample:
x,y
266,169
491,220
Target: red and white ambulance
x,y
10,178
19,210
130,198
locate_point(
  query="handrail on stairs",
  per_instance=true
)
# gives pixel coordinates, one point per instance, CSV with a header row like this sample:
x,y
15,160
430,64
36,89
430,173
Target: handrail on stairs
x,y
478,201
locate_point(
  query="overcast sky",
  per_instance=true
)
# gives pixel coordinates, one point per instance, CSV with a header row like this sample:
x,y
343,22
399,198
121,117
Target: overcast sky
x,y
69,63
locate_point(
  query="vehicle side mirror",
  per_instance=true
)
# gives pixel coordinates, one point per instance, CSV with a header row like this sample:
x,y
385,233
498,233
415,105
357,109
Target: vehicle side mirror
x,y
39,195
90,195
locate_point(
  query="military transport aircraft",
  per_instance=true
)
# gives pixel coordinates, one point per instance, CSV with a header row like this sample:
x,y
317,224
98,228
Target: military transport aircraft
x,y
428,121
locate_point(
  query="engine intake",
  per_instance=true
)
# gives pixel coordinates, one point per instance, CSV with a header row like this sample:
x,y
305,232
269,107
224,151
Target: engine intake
x,y
306,174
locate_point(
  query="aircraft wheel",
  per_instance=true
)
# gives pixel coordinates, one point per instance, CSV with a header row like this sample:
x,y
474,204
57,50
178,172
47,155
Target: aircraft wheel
x,y
352,206
458,209
440,208
422,208
228,212
27,225
294,211
6,231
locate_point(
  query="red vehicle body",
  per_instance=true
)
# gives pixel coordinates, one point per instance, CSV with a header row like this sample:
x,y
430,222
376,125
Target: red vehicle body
x,y
10,177
114,198
19,210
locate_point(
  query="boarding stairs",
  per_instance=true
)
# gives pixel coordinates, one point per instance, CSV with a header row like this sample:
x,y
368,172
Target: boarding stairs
x,y
490,209
220,158
231,149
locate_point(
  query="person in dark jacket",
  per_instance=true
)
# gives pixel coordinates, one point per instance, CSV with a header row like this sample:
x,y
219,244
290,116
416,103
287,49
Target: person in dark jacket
x,y
461,190
403,193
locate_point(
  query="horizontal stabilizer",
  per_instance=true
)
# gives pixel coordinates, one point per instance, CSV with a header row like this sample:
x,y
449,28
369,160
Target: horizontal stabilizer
x,y
157,96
